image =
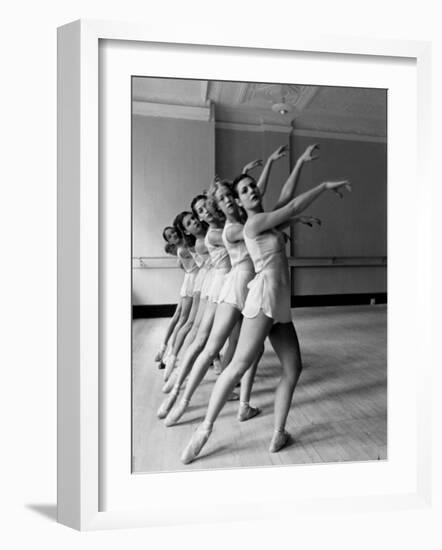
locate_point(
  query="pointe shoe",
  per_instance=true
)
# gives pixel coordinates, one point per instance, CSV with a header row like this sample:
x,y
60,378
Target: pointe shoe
x,y
176,413
279,440
246,412
167,404
233,396
193,449
167,387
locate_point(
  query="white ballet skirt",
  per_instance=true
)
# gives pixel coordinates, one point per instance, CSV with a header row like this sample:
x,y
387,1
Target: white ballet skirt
x,y
269,290
191,270
220,266
187,288
202,259
207,282
235,289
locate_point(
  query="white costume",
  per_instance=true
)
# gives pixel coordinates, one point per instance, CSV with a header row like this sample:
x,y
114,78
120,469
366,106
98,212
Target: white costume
x,y
269,290
191,270
220,262
234,290
202,259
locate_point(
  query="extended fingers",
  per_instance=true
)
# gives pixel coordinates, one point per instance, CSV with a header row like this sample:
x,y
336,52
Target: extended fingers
x,y
311,150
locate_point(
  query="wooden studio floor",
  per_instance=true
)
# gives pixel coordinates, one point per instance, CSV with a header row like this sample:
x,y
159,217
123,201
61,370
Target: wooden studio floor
x,y
339,410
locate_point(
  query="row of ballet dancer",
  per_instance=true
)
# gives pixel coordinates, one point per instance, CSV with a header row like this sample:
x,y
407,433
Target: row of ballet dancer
x,y
235,294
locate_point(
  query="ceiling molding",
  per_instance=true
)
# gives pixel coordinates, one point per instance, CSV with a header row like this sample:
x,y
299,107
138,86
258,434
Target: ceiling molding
x,y
339,135
252,127
301,133
266,127
144,108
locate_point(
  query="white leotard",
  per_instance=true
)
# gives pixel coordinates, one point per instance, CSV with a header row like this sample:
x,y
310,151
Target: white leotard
x,y
234,290
220,262
191,270
202,259
269,290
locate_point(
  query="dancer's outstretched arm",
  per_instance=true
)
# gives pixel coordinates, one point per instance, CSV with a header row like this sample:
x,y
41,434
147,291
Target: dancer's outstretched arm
x,y
304,220
267,220
251,165
264,177
289,188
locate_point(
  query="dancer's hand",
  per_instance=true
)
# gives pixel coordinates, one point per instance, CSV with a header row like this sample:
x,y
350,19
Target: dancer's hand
x,y
309,220
311,153
279,153
251,165
338,187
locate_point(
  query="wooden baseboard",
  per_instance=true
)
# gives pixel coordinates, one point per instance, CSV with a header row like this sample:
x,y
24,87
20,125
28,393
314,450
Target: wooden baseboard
x,y
321,300
150,312
318,300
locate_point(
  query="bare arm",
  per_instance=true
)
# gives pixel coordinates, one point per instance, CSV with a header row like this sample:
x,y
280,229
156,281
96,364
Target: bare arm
x,y
289,188
267,220
234,233
305,220
251,165
215,238
264,177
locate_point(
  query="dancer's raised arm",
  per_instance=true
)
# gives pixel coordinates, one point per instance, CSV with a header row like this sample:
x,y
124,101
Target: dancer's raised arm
x,y
289,188
268,220
264,177
251,165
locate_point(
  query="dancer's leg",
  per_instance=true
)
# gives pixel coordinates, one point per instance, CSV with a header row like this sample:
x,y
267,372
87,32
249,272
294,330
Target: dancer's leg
x,y
191,334
198,344
191,354
181,334
245,411
232,343
172,324
284,341
226,318
251,339
186,305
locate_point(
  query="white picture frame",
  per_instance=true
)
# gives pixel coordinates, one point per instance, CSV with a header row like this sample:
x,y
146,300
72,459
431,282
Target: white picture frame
x,y
80,446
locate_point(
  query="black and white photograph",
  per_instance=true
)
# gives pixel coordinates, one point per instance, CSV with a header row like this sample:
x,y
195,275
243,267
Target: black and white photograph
x,y
259,274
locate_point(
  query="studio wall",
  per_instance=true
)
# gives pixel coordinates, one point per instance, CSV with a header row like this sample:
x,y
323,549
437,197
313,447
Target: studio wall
x,y
172,160
175,159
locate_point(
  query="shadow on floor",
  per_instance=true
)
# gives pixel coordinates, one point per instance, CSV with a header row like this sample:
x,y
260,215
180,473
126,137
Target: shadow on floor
x,y
48,511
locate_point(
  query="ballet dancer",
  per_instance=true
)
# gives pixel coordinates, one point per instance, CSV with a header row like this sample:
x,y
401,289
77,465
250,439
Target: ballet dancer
x,y
228,315
169,248
175,241
203,281
188,300
267,308
221,266
197,232
233,294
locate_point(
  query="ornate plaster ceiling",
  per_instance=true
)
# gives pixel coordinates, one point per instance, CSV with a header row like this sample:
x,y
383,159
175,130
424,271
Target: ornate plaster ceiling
x,y
335,109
